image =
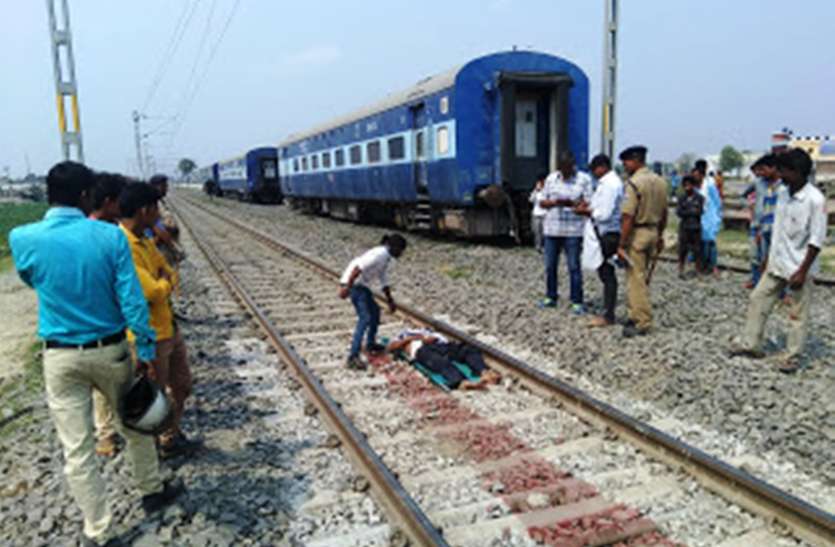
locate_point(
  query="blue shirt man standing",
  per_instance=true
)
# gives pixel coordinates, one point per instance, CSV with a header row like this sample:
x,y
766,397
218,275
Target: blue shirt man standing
x,y
88,293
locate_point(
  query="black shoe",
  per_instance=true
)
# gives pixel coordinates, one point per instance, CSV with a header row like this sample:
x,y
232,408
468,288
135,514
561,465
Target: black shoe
x,y
170,491
376,348
180,446
112,542
739,351
630,331
355,363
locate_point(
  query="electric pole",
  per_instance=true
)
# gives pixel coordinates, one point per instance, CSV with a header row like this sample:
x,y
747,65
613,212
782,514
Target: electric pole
x,y
610,74
66,86
137,135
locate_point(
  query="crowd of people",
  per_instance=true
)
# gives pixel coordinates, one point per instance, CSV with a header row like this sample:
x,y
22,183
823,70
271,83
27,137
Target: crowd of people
x,y
602,223
103,262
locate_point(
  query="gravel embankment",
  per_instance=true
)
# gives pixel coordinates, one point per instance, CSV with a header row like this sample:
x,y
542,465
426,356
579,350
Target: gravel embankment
x,y
779,427
263,458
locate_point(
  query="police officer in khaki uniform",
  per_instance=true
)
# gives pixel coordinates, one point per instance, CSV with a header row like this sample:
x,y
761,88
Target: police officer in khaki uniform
x,y
642,228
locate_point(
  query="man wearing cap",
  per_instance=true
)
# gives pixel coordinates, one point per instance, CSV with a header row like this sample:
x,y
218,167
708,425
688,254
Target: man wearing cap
x,y
643,220
88,293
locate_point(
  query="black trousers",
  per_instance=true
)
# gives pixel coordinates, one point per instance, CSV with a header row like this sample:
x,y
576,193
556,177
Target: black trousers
x,y
439,357
690,241
606,272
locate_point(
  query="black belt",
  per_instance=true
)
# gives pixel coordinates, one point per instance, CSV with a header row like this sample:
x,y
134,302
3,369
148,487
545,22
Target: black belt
x,y
100,343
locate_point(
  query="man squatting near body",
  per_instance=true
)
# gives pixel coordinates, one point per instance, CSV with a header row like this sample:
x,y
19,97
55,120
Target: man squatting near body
x,y
355,281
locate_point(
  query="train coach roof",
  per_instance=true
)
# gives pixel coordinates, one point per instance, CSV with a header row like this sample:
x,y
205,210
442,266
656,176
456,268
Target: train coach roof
x,y
424,87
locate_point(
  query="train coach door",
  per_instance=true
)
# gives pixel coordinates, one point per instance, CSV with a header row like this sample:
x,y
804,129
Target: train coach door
x,y
534,126
420,140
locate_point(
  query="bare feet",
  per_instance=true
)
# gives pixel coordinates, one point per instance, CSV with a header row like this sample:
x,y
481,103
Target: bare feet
x,y
491,377
467,385
599,321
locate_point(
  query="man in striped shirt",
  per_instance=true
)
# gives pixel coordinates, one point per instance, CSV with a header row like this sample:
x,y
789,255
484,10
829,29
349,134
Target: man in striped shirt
x,y
563,228
766,204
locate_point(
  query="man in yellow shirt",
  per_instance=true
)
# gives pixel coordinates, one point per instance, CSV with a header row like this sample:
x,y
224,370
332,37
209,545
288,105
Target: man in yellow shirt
x,y
139,206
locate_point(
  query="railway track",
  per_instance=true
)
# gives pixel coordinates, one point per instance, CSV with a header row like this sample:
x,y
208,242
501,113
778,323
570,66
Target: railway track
x,y
533,460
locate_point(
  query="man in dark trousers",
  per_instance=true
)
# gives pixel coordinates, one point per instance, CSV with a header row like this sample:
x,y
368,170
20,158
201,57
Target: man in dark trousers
x,y
604,212
88,293
689,211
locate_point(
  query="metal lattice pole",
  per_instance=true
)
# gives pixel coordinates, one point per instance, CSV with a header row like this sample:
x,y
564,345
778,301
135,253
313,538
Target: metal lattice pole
x,y
66,86
610,73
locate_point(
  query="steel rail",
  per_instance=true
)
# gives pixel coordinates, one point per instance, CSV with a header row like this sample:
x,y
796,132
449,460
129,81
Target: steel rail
x,y
397,503
807,521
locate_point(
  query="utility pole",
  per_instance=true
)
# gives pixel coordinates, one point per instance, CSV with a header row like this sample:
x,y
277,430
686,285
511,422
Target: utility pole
x,y
137,135
65,82
610,74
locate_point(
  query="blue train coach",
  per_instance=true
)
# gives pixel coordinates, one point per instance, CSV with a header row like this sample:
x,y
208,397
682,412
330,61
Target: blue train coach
x,y
251,177
458,152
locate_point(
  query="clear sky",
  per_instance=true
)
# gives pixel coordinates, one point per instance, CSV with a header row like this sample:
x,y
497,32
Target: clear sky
x,y
694,74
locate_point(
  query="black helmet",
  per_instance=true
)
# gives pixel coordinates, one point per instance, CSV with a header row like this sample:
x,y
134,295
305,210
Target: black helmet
x,y
145,408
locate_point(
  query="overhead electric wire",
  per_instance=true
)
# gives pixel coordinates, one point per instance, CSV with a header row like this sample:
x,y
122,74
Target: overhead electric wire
x,y
181,115
183,22
191,79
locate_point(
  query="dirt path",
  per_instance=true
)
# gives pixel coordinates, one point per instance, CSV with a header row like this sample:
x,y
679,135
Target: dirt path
x,y
18,322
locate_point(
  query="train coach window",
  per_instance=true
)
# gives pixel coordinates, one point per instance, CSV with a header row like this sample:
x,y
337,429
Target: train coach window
x,y
314,162
339,157
444,104
268,168
374,152
420,145
443,140
356,154
296,165
326,160
397,148
304,164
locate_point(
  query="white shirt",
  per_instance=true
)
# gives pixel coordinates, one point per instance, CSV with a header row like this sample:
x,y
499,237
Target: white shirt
x,y
373,264
800,221
562,221
536,198
413,346
606,203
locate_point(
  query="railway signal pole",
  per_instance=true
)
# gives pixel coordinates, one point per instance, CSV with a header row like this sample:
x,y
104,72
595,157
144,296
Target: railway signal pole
x,y
66,86
610,73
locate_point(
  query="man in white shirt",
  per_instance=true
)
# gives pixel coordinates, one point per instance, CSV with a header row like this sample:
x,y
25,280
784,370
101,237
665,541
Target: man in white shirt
x,y
604,212
538,213
356,281
563,228
797,238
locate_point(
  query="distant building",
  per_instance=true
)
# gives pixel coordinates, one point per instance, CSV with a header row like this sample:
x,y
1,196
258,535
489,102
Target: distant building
x,y
821,148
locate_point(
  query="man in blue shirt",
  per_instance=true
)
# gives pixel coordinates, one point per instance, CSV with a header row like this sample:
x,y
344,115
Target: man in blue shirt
x,y
88,293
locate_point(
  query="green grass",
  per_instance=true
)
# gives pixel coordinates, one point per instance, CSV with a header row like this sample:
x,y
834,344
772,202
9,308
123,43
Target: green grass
x,y
735,244
12,215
